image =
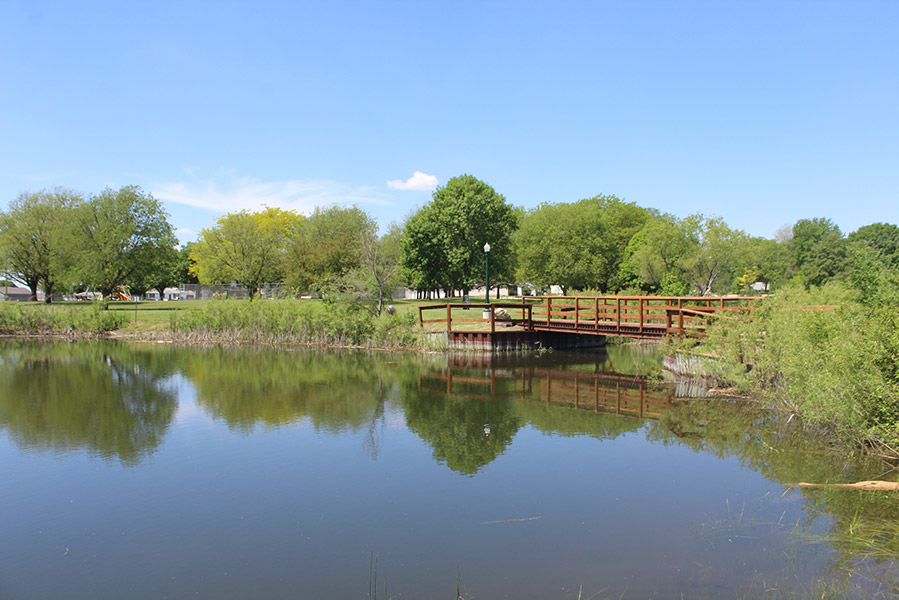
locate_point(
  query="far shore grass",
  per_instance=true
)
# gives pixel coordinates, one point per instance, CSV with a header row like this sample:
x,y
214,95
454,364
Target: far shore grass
x,y
150,315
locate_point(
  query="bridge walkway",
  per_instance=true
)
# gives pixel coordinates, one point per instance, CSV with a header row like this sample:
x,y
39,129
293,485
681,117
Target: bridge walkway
x,y
642,317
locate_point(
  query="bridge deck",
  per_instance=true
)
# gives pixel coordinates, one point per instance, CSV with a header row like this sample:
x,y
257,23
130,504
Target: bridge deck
x,y
648,317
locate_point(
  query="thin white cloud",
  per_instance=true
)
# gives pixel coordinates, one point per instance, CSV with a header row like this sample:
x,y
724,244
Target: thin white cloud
x,y
418,181
232,194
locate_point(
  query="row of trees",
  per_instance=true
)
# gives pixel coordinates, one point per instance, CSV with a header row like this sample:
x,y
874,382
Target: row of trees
x,y
605,244
333,251
58,241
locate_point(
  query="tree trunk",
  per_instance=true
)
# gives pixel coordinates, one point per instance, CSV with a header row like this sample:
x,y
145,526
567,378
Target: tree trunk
x,y
32,285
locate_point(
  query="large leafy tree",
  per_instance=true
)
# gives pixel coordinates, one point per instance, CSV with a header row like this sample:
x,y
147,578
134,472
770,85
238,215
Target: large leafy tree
x,y
579,245
328,245
123,237
696,254
762,260
882,237
714,253
462,216
424,262
653,258
819,250
36,239
245,247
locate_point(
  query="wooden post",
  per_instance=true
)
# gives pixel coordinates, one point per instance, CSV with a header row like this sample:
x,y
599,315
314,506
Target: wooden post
x,y
577,311
618,314
641,315
596,313
549,310
449,317
421,321
492,321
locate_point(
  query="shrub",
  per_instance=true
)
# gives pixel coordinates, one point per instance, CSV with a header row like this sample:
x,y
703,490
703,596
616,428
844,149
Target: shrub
x,y
38,319
294,322
838,369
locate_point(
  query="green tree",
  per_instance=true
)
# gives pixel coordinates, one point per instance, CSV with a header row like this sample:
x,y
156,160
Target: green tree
x,y
424,263
578,245
714,252
248,248
462,216
328,246
819,250
768,261
655,254
36,239
123,238
697,253
181,272
378,272
882,237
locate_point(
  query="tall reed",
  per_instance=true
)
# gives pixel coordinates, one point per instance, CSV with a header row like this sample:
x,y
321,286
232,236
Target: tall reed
x,y
37,319
293,322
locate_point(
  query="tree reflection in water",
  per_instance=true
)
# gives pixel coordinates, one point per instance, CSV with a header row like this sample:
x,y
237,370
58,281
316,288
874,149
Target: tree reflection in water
x,y
110,399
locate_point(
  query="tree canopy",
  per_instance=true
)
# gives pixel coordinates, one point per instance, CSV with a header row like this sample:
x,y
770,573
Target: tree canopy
x,y
444,242
328,245
577,245
36,238
123,236
246,247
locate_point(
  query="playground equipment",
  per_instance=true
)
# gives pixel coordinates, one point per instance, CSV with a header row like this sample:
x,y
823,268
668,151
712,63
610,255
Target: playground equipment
x,y
121,292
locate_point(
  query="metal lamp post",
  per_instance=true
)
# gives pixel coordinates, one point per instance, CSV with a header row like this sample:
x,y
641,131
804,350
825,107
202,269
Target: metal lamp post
x,y
487,278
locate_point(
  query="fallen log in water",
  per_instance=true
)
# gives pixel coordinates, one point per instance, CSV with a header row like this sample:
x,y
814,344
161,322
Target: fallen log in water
x,y
891,486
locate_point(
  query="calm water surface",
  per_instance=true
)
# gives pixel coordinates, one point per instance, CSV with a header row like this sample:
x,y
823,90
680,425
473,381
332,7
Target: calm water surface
x,y
140,471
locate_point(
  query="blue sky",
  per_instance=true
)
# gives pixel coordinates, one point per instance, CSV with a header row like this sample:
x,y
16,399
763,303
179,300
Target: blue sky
x,y
761,113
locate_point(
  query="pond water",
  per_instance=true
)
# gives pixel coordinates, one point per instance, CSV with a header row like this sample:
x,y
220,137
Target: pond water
x,y
153,471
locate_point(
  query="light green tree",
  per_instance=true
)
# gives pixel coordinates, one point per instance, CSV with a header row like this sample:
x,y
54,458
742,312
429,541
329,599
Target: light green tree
x,y
882,237
245,247
424,263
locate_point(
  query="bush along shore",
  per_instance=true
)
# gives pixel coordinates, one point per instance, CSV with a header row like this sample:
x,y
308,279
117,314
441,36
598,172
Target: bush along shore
x,y
298,323
837,370
280,322
74,321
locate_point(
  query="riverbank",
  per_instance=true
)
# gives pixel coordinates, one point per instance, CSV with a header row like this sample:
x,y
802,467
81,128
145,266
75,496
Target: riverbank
x,y
837,370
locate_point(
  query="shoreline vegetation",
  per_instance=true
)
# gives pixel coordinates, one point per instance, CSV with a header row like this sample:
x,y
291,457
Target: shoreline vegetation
x,y
834,371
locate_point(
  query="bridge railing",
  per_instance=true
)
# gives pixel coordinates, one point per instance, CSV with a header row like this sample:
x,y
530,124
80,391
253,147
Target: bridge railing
x,y
651,316
454,314
673,314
